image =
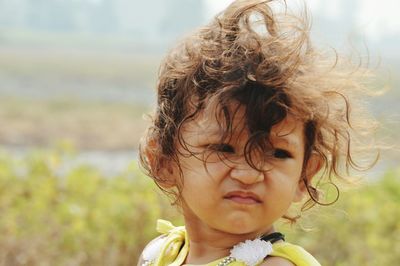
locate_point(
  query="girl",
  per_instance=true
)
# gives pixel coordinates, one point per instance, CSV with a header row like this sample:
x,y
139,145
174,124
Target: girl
x,y
248,112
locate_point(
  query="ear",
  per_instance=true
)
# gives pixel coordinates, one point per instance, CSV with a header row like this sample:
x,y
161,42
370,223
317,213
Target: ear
x,y
312,167
167,174
160,167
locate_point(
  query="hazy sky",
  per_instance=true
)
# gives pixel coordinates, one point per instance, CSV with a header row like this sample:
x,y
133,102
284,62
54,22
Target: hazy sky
x,y
374,18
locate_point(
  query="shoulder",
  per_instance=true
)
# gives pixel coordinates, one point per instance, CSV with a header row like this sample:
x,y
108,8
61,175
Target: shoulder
x,y
151,249
291,255
276,261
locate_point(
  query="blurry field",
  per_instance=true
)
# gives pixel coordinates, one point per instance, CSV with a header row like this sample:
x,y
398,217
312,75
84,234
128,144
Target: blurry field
x,y
94,97
95,100
87,125
36,67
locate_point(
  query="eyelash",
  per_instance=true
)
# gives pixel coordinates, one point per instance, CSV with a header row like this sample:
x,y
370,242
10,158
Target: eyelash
x,y
282,154
225,148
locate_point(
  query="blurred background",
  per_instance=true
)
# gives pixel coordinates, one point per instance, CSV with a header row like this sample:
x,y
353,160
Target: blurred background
x,y
77,77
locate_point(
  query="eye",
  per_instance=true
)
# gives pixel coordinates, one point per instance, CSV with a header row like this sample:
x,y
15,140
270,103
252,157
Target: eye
x,y
282,154
226,148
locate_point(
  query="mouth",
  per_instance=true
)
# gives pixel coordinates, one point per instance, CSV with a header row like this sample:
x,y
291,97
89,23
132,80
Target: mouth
x,y
243,197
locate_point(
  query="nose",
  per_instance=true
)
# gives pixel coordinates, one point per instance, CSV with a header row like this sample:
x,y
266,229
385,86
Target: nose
x,y
244,173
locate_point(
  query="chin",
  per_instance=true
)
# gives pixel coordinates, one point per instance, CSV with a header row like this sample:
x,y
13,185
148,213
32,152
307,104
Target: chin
x,y
241,231
239,227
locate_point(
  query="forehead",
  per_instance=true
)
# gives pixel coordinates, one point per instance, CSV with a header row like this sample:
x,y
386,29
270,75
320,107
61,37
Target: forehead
x,y
208,124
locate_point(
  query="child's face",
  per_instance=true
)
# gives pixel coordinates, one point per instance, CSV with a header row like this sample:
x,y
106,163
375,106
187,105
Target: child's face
x,y
228,194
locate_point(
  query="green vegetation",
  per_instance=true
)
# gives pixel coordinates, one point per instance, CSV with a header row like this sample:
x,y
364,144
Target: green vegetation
x,y
363,228
75,218
80,217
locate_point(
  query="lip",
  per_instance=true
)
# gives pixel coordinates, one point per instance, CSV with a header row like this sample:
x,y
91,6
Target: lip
x,y
243,197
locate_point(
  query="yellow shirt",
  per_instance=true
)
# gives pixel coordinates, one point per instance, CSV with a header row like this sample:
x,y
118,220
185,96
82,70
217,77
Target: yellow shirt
x,y
173,248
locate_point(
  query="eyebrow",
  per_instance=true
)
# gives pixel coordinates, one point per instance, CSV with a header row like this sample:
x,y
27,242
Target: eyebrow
x,y
202,132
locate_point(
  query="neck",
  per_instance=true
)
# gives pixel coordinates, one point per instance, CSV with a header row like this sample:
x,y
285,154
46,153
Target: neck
x,y
208,244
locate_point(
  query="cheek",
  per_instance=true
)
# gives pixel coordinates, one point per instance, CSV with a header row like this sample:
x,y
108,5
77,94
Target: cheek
x,y
292,167
208,172
217,171
200,181
284,179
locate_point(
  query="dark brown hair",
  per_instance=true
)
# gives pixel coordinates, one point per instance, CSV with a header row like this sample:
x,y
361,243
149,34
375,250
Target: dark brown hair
x,y
261,57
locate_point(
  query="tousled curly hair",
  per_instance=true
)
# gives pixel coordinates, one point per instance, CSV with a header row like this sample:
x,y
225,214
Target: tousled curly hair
x,y
258,54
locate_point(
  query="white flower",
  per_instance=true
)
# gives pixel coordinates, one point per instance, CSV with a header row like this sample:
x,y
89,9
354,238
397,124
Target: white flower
x,y
251,252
